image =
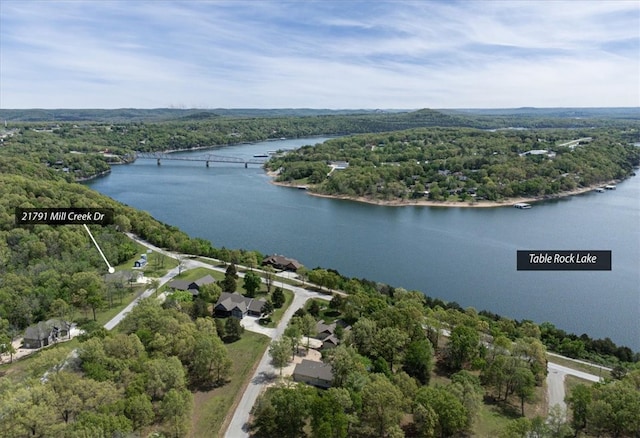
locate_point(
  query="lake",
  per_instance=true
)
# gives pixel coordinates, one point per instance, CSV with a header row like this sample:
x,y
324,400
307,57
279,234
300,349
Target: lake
x,y
467,255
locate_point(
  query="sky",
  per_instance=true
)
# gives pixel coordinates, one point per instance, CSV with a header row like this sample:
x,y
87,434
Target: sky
x,y
345,54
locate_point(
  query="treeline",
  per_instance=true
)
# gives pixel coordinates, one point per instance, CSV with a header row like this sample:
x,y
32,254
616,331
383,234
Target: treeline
x,y
603,351
461,164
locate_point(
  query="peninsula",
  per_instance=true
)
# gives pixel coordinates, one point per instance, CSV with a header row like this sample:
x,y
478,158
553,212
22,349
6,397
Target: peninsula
x,y
459,167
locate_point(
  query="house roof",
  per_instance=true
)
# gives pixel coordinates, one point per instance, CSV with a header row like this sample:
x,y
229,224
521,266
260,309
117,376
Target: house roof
x,y
313,369
279,260
321,327
43,329
229,301
207,279
189,285
179,284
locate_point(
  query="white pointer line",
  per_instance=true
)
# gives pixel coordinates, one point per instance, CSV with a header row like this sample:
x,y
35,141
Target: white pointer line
x,y
111,268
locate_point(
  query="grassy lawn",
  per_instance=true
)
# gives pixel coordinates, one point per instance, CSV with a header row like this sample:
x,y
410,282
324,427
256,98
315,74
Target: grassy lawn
x,y
490,421
277,314
213,407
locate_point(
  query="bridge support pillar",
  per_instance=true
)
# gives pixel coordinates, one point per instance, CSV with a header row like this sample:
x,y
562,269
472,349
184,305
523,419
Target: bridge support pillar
x,y
158,161
246,165
207,163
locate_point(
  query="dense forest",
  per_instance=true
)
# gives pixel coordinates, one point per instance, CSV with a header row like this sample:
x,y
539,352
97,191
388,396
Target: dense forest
x,y
454,164
141,377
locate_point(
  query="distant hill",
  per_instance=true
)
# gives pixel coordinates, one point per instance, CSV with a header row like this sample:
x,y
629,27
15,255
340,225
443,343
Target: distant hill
x,y
632,113
164,114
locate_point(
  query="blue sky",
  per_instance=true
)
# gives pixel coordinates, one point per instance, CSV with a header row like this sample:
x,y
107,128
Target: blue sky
x,y
319,54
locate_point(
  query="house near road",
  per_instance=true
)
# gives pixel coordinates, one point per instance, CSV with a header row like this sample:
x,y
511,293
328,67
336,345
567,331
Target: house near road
x,y
237,306
45,333
282,263
191,286
318,374
327,333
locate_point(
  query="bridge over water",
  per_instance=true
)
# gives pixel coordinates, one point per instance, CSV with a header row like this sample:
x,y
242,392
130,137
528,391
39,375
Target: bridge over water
x,y
207,158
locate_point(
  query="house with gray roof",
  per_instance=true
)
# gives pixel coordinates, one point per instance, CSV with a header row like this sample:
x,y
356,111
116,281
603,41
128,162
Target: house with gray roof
x,y
191,286
318,374
45,333
237,306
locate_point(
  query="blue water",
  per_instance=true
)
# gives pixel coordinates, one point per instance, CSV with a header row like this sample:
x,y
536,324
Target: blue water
x,y
466,255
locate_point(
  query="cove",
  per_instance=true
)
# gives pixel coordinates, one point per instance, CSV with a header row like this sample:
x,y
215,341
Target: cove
x,y
467,255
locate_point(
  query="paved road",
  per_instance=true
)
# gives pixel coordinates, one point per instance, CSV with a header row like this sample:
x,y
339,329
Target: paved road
x,y
265,372
555,382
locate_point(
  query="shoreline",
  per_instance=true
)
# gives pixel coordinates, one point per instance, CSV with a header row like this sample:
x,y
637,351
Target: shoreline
x,y
449,204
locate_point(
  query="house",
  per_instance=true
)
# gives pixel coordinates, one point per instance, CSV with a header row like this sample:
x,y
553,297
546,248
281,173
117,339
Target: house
x,y
282,263
45,333
313,373
191,286
326,333
237,306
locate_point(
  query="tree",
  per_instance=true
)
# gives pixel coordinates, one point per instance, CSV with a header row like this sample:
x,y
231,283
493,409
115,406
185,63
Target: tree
x,y
269,276
524,385
462,347
283,412
294,332
267,308
140,410
330,415
155,285
363,335
280,352
210,363
209,292
233,329
6,346
390,342
579,401
252,284
278,298
230,276
314,308
307,327
451,414
418,360
175,409
381,406
90,290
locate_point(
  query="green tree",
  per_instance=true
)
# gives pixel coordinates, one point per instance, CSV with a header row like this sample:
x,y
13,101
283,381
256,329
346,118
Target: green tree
x,y
418,360
579,401
451,414
331,414
462,347
381,406
140,410
233,329
230,276
280,352
175,410
252,283
278,298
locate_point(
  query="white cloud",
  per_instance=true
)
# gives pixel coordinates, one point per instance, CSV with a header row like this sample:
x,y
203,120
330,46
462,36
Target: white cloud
x,y
319,54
